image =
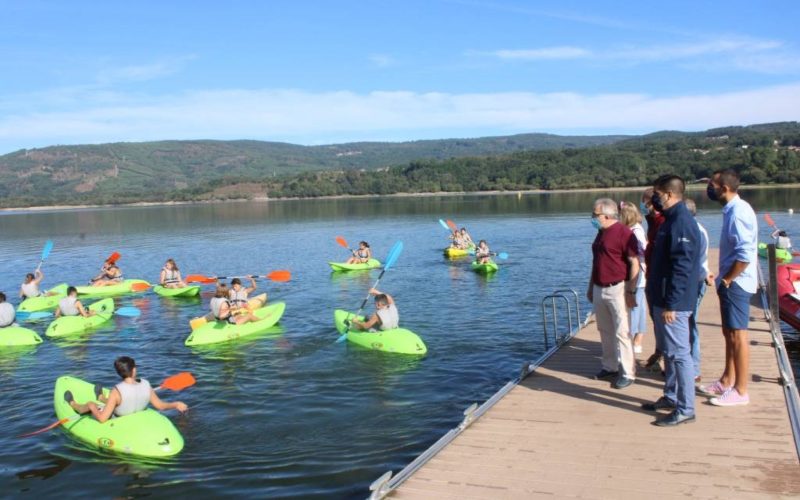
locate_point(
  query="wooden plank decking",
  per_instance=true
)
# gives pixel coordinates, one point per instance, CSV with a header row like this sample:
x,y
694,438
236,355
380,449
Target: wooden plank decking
x,y
561,434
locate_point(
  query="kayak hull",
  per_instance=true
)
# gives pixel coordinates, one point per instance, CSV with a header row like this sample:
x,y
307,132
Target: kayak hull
x,y
146,433
110,290
788,278
73,325
452,252
12,336
44,302
341,266
781,254
187,291
488,268
216,332
396,340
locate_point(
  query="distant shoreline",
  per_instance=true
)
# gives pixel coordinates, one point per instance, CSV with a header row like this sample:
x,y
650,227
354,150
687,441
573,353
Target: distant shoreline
x,y
55,208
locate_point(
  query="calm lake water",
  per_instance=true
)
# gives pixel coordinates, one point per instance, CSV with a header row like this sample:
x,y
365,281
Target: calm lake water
x,y
290,413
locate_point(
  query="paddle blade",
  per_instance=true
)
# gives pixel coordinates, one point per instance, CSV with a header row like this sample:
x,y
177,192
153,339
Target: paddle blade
x,y
140,287
342,242
48,247
444,224
769,220
394,253
196,323
199,278
280,275
37,315
128,312
45,429
452,225
341,338
502,255
113,258
178,382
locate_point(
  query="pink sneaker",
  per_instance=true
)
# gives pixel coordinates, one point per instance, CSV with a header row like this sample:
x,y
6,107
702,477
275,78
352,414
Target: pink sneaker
x,y
730,398
715,389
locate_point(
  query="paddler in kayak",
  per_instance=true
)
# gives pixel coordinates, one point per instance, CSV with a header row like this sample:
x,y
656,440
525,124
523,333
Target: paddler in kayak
x,y
482,252
386,315
30,287
171,275
7,313
466,239
782,239
71,306
110,274
129,396
223,310
237,294
361,255
456,240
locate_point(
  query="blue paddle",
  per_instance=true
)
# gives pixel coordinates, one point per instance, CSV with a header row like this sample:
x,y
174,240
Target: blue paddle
x,y
444,225
501,255
128,312
48,247
394,253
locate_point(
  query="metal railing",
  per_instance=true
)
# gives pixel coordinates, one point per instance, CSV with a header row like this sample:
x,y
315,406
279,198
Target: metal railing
x,y
387,483
769,301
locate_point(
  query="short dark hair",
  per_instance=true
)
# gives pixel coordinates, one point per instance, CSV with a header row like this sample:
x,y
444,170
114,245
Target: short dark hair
x,y
381,299
728,177
670,183
364,243
30,277
71,289
124,366
2,297
236,281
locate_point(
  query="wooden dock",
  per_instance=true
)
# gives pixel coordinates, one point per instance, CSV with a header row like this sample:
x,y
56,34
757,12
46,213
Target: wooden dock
x,y
561,434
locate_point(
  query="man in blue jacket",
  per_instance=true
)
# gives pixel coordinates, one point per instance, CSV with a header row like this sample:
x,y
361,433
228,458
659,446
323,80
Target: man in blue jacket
x,y
673,287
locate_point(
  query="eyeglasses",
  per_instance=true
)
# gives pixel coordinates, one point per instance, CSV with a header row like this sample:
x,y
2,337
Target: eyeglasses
x,y
594,215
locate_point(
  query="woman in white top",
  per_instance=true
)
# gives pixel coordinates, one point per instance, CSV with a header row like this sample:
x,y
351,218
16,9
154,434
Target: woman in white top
x,y
630,216
171,275
129,396
386,315
7,313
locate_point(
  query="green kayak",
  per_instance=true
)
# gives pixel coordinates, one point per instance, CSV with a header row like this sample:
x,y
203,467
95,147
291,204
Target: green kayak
x,y
396,340
126,286
187,291
487,268
781,254
341,266
44,302
11,336
146,433
70,325
222,331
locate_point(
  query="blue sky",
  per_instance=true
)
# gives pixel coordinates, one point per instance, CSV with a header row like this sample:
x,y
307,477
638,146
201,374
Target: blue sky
x,y
335,71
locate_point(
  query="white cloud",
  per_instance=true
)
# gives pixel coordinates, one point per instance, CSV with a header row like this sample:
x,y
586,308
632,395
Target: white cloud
x,y
307,117
143,72
564,52
737,53
382,60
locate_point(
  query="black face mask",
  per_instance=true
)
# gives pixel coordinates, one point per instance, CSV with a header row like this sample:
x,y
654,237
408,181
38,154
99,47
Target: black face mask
x,y
656,201
712,193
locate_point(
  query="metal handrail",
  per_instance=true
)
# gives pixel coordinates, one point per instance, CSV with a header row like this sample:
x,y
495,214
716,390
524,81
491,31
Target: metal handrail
x,y
559,294
387,483
769,302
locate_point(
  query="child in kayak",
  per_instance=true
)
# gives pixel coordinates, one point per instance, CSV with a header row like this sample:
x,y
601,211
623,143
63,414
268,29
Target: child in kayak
x,y
386,315
71,306
110,274
171,275
222,310
456,240
127,397
30,287
362,255
781,239
466,239
7,313
237,294
482,253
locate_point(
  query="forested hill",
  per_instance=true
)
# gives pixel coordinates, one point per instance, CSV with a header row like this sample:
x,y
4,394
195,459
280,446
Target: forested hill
x,y
125,172
203,170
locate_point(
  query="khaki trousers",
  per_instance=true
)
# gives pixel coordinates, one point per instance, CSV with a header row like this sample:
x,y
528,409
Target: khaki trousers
x,y
611,315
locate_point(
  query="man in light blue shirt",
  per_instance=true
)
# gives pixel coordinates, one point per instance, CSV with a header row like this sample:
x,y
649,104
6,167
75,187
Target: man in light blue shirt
x,y
736,283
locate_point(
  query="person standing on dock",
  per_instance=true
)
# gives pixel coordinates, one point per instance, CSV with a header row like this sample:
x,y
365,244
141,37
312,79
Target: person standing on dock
x,y
706,280
654,220
737,281
612,290
672,286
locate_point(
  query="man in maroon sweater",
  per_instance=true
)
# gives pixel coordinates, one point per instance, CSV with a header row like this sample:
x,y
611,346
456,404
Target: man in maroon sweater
x,y
612,289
